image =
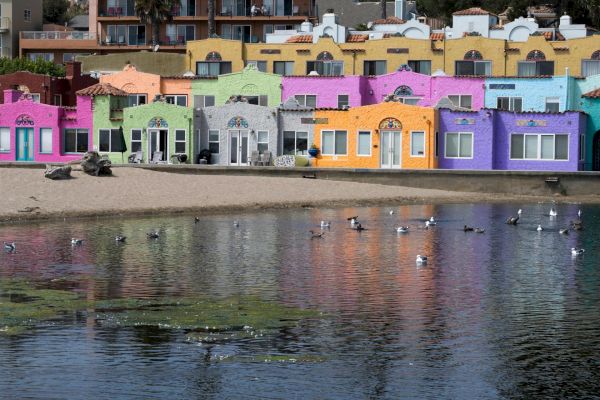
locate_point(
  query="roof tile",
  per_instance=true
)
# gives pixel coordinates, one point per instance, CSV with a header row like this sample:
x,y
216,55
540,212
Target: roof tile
x,y
389,21
101,89
357,38
473,11
300,39
437,36
594,94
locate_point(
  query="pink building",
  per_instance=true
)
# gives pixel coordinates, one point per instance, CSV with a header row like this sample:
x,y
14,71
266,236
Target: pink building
x,y
36,132
411,87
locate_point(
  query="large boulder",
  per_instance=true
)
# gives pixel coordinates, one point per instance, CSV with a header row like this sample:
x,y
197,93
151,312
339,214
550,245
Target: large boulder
x,y
62,172
93,164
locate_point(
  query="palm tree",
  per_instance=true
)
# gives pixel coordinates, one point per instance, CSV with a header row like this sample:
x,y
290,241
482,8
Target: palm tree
x,y
383,5
155,12
211,18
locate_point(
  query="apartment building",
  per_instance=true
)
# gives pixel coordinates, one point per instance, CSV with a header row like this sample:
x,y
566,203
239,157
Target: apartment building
x,y
17,16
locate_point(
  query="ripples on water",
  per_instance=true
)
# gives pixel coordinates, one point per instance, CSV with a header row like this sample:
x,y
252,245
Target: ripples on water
x,y
505,314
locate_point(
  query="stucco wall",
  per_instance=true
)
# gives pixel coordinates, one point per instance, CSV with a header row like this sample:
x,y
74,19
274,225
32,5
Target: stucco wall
x,y
325,88
532,91
412,118
217,118
292,121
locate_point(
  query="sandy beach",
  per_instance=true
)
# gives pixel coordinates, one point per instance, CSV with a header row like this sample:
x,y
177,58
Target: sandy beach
x,y
25,194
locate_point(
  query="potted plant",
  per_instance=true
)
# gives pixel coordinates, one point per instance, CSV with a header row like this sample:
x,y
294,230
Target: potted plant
x,y
314,150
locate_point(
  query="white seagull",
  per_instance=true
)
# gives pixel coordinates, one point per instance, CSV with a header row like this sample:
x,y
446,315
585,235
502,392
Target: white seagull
x,y
520,212
10,247
236,223
402,229
429,223
391,212
76,242
432,220
325,224
577,252
421,259
553,212
539,228
579,213
120,238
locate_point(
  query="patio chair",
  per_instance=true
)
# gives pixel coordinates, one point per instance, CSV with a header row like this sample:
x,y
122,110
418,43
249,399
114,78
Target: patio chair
x,y
255,158
157,158
121,39
136,158
265,158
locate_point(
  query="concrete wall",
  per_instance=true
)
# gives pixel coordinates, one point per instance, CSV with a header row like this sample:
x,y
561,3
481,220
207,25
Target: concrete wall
x,y
218,118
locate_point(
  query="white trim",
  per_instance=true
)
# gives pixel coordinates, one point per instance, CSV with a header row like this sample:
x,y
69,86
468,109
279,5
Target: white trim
x,y
131,141
424,145
459,140
239,141
51,140
268,139
306,94
166,153
539,147
218,141
334,142
390,146
184,141
358,132
460,96
8,150
175,96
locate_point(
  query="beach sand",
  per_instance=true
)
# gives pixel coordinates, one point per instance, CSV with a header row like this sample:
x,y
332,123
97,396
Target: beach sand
x,y
25,194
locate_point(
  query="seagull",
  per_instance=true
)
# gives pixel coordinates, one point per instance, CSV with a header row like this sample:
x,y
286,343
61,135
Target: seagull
x,y
432,220
512,220
553,212
353,220
236,223
391,212
325,224
359,227
120,238
76,242
479,230
153,235
10,247
577,252
196,220
429,223
579,213
402,229
316,235
564,231
539,228
519,212
421,259
468,228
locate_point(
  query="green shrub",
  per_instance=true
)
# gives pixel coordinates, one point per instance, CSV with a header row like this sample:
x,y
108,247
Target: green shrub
x,y
38,66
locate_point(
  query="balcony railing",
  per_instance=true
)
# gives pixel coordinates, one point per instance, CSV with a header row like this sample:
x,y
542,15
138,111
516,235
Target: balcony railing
x,y
116,12
5,52
58,35
4,23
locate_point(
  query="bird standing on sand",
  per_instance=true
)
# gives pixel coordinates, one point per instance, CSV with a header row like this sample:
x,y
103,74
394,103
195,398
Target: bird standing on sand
x,y
76,242
153,235
421,259
10,247
120,238
353,220
316,235
430,223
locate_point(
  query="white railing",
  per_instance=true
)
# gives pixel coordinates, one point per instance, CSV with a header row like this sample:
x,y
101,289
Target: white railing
x,y
58,35
4,23
5,52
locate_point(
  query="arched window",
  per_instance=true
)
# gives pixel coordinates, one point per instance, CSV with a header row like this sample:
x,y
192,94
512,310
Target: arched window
x,y
213,56
473,55
325,65
390,123
325,56
403,90
536,55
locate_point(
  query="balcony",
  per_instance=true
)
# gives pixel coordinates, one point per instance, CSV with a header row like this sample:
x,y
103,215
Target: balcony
x,y
46,40
4,24
58,35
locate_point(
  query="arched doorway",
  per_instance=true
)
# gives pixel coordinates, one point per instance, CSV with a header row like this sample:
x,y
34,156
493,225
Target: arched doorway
x,y
596,152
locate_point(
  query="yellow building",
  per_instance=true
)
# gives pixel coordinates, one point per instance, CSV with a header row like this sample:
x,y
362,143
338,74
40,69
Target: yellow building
x,y
470,55
384,135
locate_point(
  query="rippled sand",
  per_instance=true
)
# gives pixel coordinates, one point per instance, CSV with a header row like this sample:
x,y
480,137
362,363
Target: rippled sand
x,y
26,194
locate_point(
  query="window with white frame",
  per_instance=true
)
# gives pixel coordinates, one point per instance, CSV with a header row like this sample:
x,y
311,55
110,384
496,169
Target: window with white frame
x,y
325,65
180,141
552,104
204,101
461,100
75,140
364,143
334,143
459,145
417,144
27,14
213,141
136,99
35,97
514,104
4,140
178,99
473,64
539,147
260,65
343,100
283,67
581,147
57,100
46,140
590,67
262,141
136,140
108,138
405,95
295,143
308,100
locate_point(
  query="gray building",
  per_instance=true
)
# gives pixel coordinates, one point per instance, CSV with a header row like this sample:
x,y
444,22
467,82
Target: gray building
x,y
15,17
351,13
296,128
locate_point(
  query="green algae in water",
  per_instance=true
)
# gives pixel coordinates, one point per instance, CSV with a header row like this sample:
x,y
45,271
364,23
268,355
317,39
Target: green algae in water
x,y
22,307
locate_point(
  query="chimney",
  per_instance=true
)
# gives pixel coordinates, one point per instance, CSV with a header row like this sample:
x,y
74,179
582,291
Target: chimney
x,y
11,95
73,69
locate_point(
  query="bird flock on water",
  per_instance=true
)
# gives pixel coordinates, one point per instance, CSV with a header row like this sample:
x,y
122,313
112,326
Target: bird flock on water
x,y
575,225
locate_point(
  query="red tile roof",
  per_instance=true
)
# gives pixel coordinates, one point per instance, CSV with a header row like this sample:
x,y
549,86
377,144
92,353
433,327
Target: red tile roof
x,y
389,21
300,39
357,38
473,11
101,89
594,94
437,36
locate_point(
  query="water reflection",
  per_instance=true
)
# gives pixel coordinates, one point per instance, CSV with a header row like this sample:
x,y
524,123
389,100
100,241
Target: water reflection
x,y
505,314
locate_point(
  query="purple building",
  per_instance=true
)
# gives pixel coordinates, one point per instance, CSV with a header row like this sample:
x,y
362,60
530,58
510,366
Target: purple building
x,y
504,140
410,87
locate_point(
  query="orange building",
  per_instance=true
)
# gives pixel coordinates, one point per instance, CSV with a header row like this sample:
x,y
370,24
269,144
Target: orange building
x,y
385,135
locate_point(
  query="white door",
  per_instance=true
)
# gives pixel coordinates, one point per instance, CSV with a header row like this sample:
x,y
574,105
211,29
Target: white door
x,y
159,141
238,147
391,149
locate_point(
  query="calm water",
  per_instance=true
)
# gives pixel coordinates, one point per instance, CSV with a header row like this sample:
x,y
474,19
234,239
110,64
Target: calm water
x,y
505,314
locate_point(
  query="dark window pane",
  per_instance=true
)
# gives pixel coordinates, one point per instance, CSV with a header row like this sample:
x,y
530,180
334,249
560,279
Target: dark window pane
x,y
289,143
213,147
70,140
465,68
180,135
179,147
82,140
104,140
115,140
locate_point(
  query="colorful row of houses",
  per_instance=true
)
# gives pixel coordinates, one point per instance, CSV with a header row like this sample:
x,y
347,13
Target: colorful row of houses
x,y
385,135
